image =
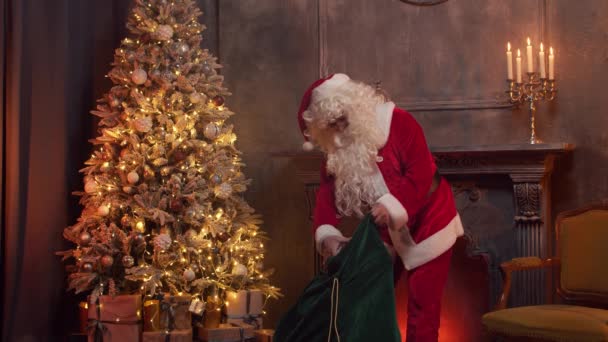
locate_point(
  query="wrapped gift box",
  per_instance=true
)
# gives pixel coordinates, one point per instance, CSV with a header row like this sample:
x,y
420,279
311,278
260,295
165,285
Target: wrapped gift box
x,y
264,335
115,319
184,335
227,333
168,313
245,306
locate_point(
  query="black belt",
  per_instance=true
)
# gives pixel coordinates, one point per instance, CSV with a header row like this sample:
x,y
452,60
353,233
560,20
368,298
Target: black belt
x,y
434,183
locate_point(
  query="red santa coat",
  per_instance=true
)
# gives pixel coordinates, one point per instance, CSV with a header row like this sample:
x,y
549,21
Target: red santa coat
x,y
405,170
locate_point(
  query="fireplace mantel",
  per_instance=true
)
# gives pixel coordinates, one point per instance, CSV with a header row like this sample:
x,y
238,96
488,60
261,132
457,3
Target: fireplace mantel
x,y
525,171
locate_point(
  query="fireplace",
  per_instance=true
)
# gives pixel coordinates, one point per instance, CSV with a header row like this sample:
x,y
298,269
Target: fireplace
x,y
502,195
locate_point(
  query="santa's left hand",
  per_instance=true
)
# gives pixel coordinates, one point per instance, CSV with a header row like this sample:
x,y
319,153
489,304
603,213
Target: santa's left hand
x,y
381,216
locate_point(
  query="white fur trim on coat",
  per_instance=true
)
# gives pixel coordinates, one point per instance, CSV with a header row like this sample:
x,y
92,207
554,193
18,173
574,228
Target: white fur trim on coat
x,y
416,254
384,112
324,231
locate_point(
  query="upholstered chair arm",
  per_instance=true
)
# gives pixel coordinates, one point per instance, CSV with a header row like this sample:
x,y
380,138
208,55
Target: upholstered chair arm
x,y
519,264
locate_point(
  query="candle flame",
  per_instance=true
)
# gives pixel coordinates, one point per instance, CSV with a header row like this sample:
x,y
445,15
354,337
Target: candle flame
x,y
551,51
529,43
508,46
518,53
541,47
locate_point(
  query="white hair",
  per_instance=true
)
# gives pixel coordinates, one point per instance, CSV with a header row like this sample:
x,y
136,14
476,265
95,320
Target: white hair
x,y
351,154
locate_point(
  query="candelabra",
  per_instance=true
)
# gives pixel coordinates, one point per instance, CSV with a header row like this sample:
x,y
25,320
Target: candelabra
x,y
532,90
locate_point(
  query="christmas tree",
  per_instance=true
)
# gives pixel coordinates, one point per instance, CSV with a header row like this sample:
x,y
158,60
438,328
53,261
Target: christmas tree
x,y
163,206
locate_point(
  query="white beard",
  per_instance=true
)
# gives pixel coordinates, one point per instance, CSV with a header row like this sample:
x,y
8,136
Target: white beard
x,y
352,166
351,153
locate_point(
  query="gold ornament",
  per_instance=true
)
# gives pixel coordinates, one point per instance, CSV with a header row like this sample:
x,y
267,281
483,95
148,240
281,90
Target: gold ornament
x,y
125,221
160,162
133,177
148,172
103,210
105,167
166,170
139,76
140,226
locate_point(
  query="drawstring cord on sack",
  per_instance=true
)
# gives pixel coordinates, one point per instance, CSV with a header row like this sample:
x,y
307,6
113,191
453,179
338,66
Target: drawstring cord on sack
x,y
333,315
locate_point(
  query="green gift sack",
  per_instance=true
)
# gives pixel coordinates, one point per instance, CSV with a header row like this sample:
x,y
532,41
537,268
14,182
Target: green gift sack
x,y
354,300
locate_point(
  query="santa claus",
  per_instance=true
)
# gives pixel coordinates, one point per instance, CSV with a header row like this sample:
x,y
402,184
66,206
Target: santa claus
x,y
378,162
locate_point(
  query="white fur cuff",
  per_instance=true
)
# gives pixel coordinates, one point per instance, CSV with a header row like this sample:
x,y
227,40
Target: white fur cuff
x,y
396,210
324,231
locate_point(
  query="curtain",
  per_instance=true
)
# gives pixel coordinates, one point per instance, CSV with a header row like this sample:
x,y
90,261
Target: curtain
x,y
55,55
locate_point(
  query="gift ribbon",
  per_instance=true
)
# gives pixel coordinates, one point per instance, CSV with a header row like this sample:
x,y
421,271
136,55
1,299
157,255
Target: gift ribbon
x,y
169,307
249,318
99,326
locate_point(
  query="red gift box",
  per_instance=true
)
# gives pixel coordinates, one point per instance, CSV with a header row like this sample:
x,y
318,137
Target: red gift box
x,y
115,319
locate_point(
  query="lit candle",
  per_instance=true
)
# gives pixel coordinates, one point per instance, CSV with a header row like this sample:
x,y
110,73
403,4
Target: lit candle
x,y
509,62
541,62
529,56
518,65
551,64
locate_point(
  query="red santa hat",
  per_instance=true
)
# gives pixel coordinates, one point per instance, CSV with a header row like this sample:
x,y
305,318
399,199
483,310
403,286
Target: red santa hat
x,y
317,91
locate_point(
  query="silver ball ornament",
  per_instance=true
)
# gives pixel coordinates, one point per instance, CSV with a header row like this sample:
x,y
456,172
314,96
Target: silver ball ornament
x,y
85,238
207,69
90,187
87,267
128,261
189,275
139,76
182,48
211,131
217,179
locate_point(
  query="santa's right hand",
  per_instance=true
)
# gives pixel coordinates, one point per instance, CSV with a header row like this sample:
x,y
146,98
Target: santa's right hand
x,y
332,245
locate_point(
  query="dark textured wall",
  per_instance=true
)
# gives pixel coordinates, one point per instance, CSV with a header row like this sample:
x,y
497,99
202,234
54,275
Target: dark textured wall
x,y
446,63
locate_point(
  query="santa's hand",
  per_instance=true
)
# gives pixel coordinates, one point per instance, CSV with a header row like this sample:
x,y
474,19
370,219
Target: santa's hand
x,y
332,245
381,216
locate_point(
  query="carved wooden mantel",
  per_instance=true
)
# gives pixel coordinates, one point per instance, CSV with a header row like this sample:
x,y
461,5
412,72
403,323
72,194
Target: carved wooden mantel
x,y
527,168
